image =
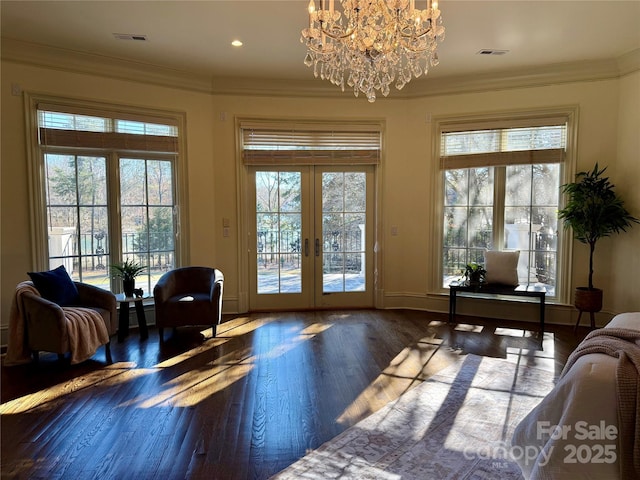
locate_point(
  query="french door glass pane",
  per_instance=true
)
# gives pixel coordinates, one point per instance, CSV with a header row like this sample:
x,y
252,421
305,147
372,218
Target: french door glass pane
x,y
77,218
343,231
278,232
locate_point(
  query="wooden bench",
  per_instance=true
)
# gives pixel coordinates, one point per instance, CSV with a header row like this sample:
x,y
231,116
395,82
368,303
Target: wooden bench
x,y
527,290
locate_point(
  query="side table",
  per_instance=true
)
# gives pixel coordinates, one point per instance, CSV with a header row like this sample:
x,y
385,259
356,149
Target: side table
x,y
123,324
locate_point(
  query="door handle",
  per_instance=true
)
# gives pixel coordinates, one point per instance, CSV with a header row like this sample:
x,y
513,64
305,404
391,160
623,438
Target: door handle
x,y
317,247
306,247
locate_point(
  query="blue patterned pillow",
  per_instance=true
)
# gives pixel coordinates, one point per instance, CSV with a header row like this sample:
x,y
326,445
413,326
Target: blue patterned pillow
x,y
56,286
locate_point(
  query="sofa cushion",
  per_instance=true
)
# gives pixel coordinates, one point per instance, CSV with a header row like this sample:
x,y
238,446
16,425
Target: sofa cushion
x,y
501,267
56,286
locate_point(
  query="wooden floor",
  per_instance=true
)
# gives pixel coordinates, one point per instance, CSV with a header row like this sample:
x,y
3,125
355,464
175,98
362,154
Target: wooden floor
x,y
244,405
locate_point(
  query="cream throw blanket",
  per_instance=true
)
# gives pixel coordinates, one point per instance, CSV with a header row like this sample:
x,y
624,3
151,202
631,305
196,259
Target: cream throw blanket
x,y
85,328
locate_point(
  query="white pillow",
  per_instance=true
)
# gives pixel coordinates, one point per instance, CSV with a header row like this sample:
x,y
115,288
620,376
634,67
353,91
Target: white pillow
x,y
502,267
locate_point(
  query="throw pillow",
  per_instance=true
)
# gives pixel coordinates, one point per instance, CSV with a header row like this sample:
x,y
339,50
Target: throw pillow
x,y
502,267
56,286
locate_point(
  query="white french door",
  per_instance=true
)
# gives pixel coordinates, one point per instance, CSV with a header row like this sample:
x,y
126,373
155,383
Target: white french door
x,y
311,238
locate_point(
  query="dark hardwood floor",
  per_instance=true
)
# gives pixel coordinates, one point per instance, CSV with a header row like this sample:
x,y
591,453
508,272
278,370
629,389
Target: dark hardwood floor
x,y
244,405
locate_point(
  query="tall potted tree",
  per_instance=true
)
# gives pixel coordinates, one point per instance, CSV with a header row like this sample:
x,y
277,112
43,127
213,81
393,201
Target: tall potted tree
x,y
593,211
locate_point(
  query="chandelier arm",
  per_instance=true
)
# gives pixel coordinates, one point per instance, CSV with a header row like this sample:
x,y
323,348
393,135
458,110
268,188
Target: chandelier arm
x,y
342,36
416,35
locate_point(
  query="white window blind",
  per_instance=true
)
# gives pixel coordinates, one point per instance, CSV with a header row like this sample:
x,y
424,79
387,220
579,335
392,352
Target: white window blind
x,y
82,129
310,144
503,146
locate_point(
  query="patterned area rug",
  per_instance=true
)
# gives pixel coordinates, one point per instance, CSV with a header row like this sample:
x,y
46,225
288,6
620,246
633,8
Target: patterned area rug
x,y
456,425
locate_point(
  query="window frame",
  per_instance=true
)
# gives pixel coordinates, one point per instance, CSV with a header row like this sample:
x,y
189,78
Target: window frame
x,y
36,172
506,119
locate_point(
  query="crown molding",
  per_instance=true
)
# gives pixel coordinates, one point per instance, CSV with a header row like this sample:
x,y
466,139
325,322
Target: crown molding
x,y
521,78
431,86
629,62
275,87
87,63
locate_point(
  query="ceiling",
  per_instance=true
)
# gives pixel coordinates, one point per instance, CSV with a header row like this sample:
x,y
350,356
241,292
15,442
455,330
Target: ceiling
x,y
194,37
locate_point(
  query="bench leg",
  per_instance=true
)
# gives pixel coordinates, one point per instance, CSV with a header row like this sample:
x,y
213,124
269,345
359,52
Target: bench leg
x,y
452,306
542,314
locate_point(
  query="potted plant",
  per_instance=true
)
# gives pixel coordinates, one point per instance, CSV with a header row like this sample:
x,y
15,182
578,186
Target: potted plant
x,y
128,271
593,211
474,273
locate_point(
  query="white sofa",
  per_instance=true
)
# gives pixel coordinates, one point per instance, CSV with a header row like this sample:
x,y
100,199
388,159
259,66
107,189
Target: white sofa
x,y
584,407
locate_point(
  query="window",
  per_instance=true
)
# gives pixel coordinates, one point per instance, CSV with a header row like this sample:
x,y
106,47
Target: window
x,y
108,191
501,191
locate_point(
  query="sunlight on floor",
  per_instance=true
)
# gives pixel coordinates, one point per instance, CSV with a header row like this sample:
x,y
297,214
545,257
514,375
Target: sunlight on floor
x,y
407,369
110,373
173,361
321,466
411,366
191,387
184,390
457,424
506,397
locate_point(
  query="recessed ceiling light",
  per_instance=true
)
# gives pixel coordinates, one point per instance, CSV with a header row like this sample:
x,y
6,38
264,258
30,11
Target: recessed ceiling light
x,y
236,43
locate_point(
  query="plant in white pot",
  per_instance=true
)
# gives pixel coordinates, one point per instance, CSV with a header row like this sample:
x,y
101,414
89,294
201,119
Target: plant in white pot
x,y
593,210
127,271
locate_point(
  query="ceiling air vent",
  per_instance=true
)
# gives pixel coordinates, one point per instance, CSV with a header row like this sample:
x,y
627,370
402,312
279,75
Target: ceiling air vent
x,y
488,51
130,36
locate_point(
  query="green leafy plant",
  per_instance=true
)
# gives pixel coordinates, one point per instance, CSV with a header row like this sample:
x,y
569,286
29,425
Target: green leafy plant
x,y
474,272
128,270
593,210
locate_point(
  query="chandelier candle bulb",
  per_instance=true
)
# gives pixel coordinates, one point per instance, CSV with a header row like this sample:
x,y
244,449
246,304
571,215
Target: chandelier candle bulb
x,y
371,44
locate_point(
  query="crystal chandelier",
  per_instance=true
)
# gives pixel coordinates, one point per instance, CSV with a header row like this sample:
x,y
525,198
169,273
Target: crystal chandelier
x,y
372,43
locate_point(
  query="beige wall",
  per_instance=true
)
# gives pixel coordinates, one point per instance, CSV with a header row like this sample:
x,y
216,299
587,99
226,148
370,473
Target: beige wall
x,y
625,260
609,119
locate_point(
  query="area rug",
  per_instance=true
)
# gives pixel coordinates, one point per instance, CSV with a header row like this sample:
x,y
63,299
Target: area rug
x,y
456,425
